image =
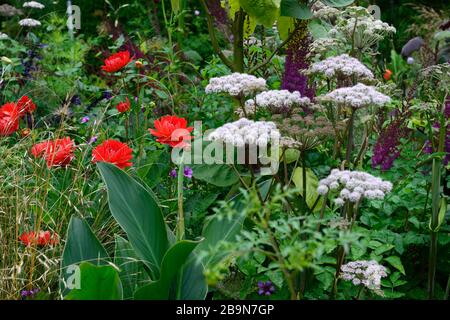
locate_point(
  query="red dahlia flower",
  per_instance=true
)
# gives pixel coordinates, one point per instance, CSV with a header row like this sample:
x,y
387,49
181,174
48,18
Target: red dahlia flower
x,y
9,119
123,106
25,105
116,61
173,131
114,152
57,152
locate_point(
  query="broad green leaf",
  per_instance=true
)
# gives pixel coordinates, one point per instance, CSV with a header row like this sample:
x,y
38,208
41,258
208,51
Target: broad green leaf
x,y
220,228
285,26
193,283
396,263
81,246
318,29
312,182
97,283
383,248
295,9
132,273
137,212
220,175
172,263
337,3
264,11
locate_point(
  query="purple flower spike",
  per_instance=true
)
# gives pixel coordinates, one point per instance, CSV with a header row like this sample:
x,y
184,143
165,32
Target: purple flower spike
x,y
188,172
173,173
265,288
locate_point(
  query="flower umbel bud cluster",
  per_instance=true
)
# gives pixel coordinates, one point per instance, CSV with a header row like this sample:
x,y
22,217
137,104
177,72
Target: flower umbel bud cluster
x,y
236,85
366,273
353,186
246,132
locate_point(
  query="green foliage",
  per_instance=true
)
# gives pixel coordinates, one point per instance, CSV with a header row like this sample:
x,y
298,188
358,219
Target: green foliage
x,y
97,283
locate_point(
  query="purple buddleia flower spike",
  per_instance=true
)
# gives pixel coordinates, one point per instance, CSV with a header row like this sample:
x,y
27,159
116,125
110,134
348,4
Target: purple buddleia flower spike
x,y
296,61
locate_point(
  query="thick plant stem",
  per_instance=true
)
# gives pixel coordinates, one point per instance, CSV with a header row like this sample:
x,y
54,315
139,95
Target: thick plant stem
x,y
180,231
238,41
302,155
436,201
350,139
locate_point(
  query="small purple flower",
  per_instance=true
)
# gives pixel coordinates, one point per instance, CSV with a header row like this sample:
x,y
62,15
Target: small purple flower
x,y
24,293
265,288
188,172
85,119
428,148
107,95
93,140
173,173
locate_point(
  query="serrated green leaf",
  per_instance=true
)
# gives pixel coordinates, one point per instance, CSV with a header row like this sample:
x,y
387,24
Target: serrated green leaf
x,y
396,263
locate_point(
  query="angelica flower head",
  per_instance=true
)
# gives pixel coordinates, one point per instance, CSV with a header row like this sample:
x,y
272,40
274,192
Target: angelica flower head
x,y
358,96
353,186
246,132
366,273
278,101
342,65
3,36
29,23
236,85
34,5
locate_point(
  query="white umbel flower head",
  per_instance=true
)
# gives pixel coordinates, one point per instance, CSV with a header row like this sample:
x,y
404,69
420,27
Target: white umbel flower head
x,y
354,186
342,65
358,96
366,273
29,23
34,5
3,36
236,84
246,132
277,101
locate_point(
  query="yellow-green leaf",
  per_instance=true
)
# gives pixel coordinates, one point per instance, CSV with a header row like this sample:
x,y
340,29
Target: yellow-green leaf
x,y
312,183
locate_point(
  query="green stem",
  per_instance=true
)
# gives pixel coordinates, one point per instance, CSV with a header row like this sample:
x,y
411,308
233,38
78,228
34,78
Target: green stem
x,y
436,200
350,139
238,41
181,228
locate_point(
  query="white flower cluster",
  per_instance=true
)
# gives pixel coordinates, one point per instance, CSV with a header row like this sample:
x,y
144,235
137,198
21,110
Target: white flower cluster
x,y
275,100
353,186
246,132
322,46
358,96
29,23
325,12
279,99
366,273
366,25
341,65
3,36
236,84
34,5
